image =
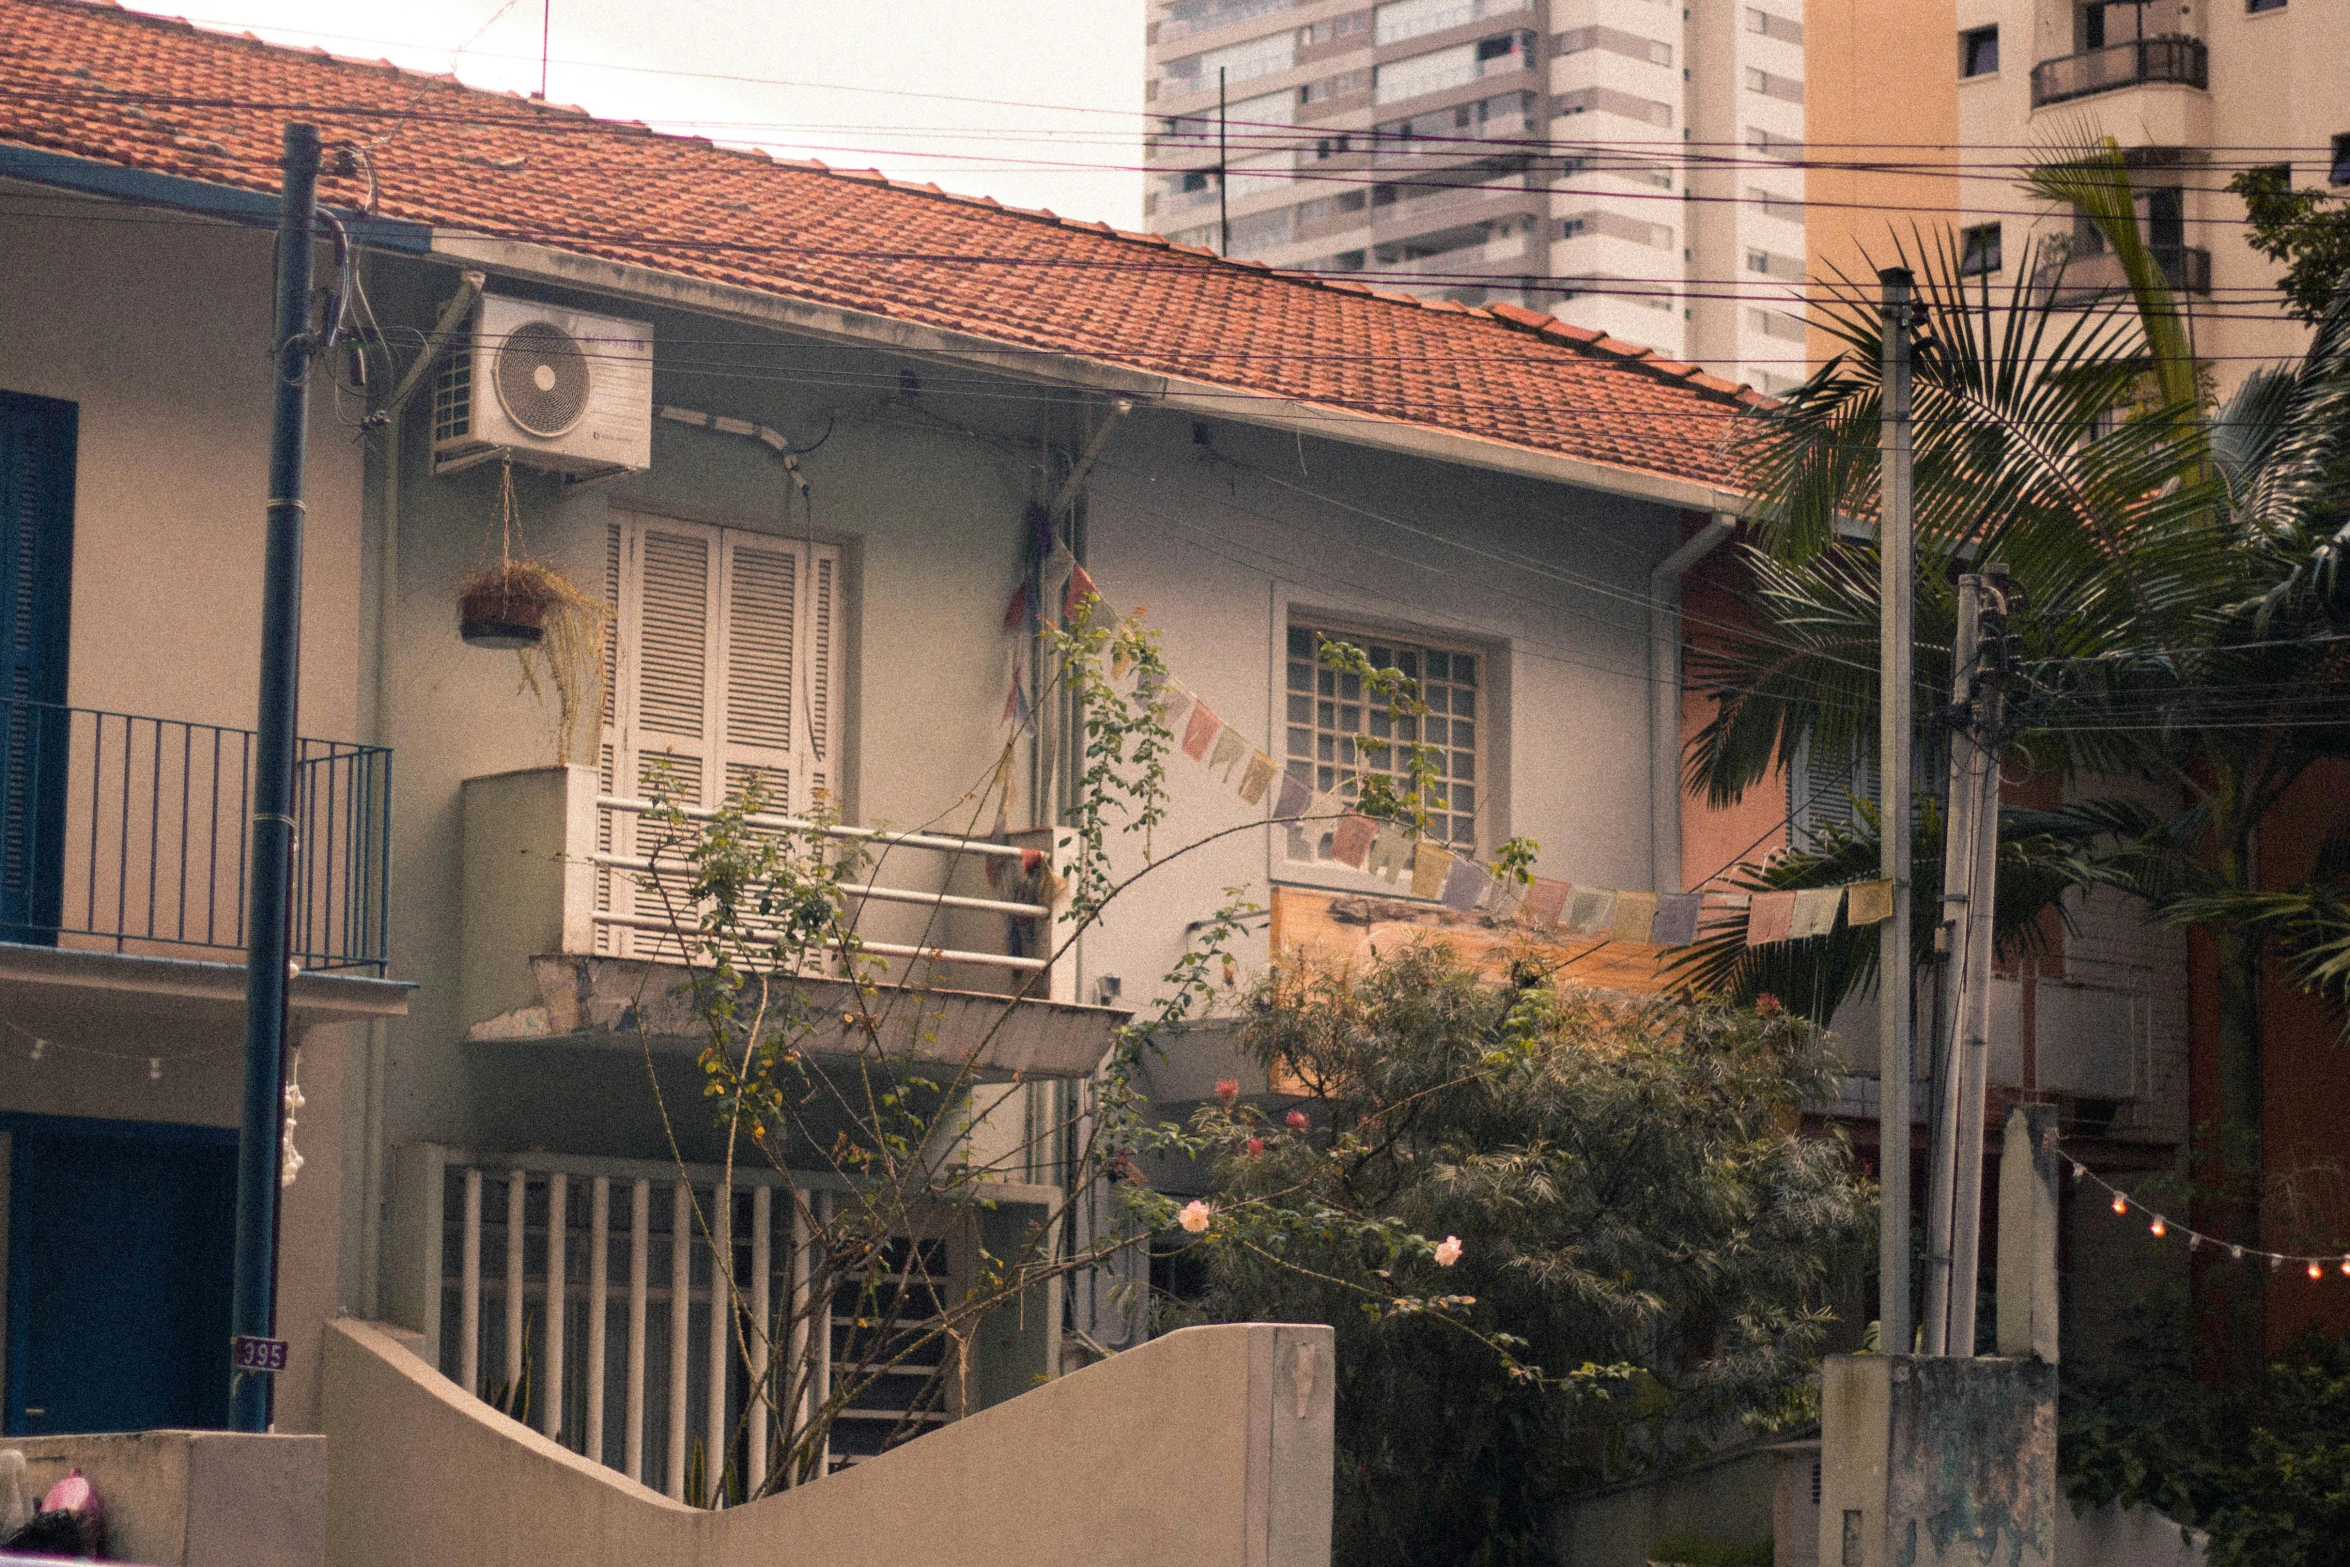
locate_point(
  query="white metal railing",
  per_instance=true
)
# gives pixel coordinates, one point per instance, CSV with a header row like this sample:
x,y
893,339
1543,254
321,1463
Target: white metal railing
x,y
1046,914
581,1295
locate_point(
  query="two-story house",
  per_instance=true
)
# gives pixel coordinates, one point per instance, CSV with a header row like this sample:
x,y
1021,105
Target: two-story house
x,y
809,433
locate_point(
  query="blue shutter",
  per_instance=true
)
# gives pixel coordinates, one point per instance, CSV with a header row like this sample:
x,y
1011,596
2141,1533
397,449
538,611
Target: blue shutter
x,y
36,556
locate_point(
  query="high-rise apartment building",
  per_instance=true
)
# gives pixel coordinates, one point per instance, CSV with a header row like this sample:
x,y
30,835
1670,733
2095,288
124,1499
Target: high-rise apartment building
x,y
1630,165
1926,130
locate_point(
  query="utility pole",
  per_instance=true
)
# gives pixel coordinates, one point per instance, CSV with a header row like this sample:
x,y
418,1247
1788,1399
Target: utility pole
x,y
1958,836
253,1310
1971,1014
1896,574
1223,179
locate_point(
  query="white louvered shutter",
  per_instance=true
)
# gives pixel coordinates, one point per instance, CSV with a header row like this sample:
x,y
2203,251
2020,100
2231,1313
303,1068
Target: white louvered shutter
x,y
724,668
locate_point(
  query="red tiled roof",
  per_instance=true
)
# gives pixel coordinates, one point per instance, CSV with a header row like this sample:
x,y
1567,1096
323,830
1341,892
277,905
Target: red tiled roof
x,y
94,81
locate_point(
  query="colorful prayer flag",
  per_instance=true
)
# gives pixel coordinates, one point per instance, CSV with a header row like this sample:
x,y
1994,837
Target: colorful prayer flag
x,y
1464,885
1201,732
1016,704
1430,867
1391,852
1815,914
1230,748
1080,589
1676,918
1635,916
1768,917
1871,903
1256,778
1544,902
1176,705
1016,612
1351,839
1291,802
1592,912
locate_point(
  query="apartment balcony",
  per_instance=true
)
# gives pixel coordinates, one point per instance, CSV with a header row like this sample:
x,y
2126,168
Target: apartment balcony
x,y
2084,279
127,834
2172,61
572,921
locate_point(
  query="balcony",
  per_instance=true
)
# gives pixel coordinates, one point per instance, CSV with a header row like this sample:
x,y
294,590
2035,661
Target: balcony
x,y
127,834
570,923
2173,61
2086,278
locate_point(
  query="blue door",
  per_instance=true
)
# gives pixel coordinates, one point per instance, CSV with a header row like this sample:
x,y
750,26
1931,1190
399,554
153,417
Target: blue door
x,y
36,556
120,1239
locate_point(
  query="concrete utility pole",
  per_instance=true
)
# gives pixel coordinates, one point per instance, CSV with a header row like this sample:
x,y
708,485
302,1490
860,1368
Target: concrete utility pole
x,y
253,1308
1950,942
1896,574
1223,175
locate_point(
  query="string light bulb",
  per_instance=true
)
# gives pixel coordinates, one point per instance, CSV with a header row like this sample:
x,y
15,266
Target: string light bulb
x,y
2121,1204
2159,1228
2193,1240
155,1069
2274,1261
2079,1169
2316,1272
2346,1265
40,1048
2236,1254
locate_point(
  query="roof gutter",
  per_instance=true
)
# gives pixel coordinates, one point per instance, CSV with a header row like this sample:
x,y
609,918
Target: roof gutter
x,y
1664,699
228,203
549,265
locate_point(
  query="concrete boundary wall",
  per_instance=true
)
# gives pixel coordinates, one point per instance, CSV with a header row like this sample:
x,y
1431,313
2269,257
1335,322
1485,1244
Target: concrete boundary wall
x,y
1210,1447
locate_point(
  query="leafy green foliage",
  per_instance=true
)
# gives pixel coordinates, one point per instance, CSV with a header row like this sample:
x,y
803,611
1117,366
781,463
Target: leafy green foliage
x,y
2307,229
1640,1248
2264,1469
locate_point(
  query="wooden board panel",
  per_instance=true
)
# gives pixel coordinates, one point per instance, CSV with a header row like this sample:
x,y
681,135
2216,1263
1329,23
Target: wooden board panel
x,y
1351,928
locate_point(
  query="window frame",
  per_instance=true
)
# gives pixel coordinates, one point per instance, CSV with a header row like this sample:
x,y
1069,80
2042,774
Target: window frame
x,y
1969,40
1485,683
1990,260
2338,168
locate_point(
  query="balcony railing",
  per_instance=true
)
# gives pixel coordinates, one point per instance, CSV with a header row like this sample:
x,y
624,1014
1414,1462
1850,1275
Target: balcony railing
x,y
2176,60
130,834
2087,278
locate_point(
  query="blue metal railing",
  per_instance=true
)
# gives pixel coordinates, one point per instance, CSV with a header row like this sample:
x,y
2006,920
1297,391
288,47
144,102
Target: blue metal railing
x,y
131,834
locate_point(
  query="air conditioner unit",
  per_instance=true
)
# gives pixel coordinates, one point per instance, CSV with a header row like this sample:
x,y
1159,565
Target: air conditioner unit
x,y
551,388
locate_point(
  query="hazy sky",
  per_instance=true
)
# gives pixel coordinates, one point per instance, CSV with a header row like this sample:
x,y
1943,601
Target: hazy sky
x,y
1036,103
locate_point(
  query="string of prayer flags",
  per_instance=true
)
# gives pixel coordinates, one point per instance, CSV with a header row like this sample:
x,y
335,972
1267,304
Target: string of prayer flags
x,y
1430,866
1464,885
1256,778
1391,853
1815,913
1201,732
1350,841
1635,916
1230,748
1769,917
1545,901
1290,804
1592,912
1869,903
1675,924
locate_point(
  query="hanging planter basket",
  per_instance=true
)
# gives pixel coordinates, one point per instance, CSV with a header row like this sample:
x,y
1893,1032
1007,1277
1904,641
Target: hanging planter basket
x,y
506,605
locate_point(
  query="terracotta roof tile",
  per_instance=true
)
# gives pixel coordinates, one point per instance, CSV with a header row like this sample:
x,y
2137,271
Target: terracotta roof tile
x,y
94,81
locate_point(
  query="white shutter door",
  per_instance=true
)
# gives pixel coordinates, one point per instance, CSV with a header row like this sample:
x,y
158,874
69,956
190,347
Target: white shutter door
x,y
664,730
779,651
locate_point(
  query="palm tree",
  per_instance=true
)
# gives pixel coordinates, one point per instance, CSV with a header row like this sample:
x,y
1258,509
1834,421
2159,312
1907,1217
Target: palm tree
x,y
2183,560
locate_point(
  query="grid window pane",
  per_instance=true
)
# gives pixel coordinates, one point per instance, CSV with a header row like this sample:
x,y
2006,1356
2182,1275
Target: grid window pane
x,y
1327,754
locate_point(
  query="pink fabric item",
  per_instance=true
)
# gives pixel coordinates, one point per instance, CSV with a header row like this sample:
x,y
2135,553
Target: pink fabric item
x,y
1201,732
1768,917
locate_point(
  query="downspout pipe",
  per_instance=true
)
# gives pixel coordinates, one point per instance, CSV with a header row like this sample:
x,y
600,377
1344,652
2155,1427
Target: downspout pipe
x,y
1664,698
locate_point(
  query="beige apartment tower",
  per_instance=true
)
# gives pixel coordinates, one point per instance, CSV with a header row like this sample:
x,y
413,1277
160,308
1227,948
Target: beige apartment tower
x,y
1630,165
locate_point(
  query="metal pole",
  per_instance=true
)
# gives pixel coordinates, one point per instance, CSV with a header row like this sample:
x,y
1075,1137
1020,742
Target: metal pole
x,y
1973,1033
1950,946
1895,576
1223,180
253,1311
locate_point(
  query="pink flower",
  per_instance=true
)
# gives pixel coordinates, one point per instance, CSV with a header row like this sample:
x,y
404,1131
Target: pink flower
x,y
1256,1145
1228,1089
1194,1217
1296,1120
1448,1251
1767,1004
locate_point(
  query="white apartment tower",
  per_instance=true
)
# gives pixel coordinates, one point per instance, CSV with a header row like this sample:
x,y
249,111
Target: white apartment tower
x,y
1630,165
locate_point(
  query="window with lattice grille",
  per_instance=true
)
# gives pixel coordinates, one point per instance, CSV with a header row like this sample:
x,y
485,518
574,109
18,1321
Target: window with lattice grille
x,y
1335,735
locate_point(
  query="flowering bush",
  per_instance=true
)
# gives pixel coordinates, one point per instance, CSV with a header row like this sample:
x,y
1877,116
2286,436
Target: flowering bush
x,y
1637,1246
